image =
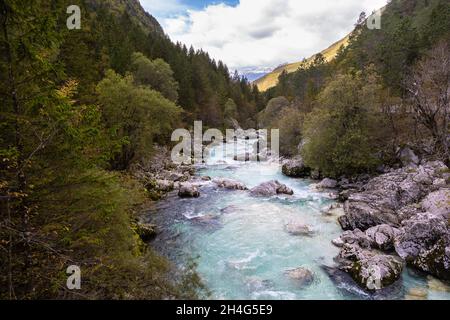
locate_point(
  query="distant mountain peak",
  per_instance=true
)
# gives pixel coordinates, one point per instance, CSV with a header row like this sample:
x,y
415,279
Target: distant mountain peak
x,y
271,79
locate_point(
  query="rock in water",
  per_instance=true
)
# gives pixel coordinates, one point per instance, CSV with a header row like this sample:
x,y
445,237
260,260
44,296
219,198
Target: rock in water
x,y
298,229
188,190
370,269
229,184
382,236
384,196
296,168
271,188
327,184
301,276
424,242
437,285
357,237
416,294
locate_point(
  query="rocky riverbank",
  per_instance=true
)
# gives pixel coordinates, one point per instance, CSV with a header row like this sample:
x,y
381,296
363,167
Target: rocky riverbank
x,y
398,218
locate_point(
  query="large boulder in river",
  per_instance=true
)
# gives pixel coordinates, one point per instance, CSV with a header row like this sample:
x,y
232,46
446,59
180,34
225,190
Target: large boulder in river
x,y
296,168
271,188
424,242
372,270
301,276
382,236
299,229
384,196
327,184
229,184
355,237
187,190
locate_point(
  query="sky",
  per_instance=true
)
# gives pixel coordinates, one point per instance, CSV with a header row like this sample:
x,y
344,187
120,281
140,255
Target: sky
x,y
254,36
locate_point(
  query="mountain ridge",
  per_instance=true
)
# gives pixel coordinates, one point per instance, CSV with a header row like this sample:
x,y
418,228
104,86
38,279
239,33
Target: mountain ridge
x,y
134,9
270,80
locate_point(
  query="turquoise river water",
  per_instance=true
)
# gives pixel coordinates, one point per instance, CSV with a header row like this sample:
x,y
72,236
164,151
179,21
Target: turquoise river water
x,y
242,248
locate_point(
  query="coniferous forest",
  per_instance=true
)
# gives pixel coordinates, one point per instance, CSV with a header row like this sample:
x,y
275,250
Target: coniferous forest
x,y
87,114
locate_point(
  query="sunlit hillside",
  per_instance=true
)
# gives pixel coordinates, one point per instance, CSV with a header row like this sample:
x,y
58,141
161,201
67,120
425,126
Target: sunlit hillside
x,y
270,80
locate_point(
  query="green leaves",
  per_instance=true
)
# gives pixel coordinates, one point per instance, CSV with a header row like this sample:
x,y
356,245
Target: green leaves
x,y
341,133
138,115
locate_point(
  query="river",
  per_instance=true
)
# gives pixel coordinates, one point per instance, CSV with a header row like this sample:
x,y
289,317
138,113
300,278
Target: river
x,y
241,245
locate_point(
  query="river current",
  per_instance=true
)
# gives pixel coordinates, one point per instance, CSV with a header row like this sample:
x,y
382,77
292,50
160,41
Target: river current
x,y
241,244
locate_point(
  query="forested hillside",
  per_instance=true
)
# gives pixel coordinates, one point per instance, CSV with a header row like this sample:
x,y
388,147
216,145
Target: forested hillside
x,y
79,107
386,92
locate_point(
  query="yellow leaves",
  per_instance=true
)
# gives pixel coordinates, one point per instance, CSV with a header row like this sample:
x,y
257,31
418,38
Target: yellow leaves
x,y
68,90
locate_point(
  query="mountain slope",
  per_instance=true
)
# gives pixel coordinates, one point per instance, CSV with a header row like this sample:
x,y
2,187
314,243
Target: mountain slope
x,y
134,9
270,80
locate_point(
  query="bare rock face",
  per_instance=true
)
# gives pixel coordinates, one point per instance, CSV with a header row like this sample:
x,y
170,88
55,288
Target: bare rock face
x,y
271,188
301,275
187,190
372,270
229,184
382,236
296,168
438,203
406,210
384,196
424,242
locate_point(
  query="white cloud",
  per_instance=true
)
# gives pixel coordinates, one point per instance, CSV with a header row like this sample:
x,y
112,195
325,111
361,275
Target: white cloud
x,y
265,33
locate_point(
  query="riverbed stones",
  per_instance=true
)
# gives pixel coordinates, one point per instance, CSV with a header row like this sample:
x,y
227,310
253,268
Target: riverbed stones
x,y
299,229
229,184
424,242
271,188
188,190
371,269
301,276
385,195
296,168
417,294
327,183
382,236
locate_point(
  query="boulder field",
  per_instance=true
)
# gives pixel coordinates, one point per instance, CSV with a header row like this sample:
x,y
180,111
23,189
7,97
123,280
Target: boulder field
x,y
396,219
